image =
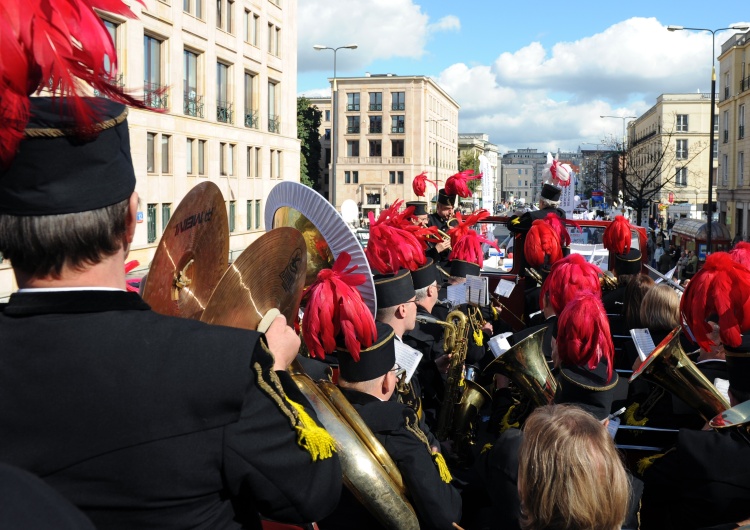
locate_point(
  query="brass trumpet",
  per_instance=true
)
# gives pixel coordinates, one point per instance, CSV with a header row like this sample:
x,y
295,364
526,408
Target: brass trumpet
x,y
608,281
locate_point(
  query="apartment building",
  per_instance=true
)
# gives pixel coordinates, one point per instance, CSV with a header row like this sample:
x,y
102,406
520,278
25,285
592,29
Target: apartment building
x,y
538,160
389,128
221,76
668,146
478,145
517,182
733,192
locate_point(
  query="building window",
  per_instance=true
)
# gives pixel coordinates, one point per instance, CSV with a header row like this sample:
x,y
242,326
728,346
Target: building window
x,y
327,135
682,150
189,152
327,115
716,123
166,213
252,27
397,148
226,159
376,124
274,40
397,124
150,153
112,29
232,214
193,100
741,119
398,101
716,150
725,170
740,168
154,92
680,178
275,164
400,177
249,215
274,121
352,101
392,177
376,148
225,15
194,7
352,148
253,157
151,222
726,126
376,101
252,119
355,177
166,154
257,214
682,123
223,105
201,157
352,124
347,177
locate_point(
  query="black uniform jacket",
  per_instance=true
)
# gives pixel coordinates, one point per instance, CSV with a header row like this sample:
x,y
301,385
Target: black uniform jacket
x,y
437,504
613,300
428,339
148,421
703,481
440,258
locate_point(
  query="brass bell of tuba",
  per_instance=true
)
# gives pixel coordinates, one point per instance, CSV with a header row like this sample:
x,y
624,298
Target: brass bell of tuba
x,y
669,367
525,365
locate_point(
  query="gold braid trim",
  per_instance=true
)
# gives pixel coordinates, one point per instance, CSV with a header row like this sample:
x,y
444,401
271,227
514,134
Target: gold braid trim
x,y
437,458
505,422
630,418
646,462
60,133
486,448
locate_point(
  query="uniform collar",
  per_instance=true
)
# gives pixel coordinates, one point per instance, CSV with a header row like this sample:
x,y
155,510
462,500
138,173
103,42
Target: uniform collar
x,y
35,303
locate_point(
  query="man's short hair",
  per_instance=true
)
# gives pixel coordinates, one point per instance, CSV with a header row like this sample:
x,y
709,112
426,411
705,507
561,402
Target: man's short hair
x,y
546,203
42,245
421,294
386,314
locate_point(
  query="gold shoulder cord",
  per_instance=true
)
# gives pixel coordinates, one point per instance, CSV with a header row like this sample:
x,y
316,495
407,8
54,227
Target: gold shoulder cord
x,y
437,458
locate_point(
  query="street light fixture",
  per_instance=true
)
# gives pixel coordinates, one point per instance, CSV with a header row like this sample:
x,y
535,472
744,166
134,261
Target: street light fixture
x,y
712,139
623,118
437,175
334,104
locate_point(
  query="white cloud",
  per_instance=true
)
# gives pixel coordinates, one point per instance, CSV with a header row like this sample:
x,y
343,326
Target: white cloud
x,y
447,23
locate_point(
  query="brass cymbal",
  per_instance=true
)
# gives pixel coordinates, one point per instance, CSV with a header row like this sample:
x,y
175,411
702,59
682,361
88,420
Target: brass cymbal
x,y
270,273
192,255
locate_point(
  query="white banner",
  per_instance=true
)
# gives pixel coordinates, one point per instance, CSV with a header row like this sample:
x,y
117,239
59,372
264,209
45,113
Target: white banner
x,y
488,186
567,197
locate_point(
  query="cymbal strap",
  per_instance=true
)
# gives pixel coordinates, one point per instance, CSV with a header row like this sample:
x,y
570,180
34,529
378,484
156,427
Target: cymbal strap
x,y
268,319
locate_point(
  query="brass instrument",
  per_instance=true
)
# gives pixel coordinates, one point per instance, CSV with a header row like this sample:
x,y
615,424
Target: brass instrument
x,y
520,324
451,222
608,281
669,367
455,342
525,365
534,274
408,396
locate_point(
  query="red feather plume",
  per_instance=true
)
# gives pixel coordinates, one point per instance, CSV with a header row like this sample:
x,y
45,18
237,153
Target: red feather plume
x,y
583,337
133,284
424,234
741,253
466,243
457,184
57,45
616,237
720,290
568,277
392,245
335,307
542,244
419,184
554,221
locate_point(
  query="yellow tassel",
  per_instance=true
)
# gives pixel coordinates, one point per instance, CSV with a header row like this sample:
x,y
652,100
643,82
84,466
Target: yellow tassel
x,y
445,473
486,448
495,314
311,437
478,337
629,416
504,423
645,463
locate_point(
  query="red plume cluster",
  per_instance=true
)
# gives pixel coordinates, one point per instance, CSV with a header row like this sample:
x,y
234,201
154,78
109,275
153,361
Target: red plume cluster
x,y
419,184
466,243
568,277
554,221
133,284
741,253
457,184
335,306
393,243
584,337
542,242
721,291
616,237
57,44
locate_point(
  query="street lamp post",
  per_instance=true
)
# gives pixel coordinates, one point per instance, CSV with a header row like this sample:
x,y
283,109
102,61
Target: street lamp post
x,y
623,118
621,162
334,104
712,139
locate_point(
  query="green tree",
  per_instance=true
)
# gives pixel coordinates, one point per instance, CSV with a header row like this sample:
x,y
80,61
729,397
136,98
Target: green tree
x,y
308,123
470,160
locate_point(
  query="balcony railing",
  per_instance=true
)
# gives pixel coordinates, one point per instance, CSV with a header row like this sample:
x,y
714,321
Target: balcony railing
x,y
745,84
352,106
398,106
224,111
155,96
397,129
193,105
376,106
274,124
352,129
252,120
119,82
376,128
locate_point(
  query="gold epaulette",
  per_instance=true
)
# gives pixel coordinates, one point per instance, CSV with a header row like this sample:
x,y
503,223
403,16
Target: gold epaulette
x,y
437,458
629,416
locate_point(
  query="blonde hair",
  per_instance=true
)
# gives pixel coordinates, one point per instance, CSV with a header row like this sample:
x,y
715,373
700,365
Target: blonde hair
x,y
660,309
570,476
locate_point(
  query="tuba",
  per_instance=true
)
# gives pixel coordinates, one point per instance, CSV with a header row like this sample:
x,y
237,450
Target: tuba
x,y
525,365
669,367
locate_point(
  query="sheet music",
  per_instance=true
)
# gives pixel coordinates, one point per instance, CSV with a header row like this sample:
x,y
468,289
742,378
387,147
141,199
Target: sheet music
x,y
457,294
643,342
504,288
407,358
722,385
477,290
499,343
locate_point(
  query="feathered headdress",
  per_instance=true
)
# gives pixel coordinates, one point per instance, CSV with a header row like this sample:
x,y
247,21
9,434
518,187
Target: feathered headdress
x,y
554,221
335,307
419,184
133,284
568,277
556,173
616,237
57,45
542,246
466,243
741,253
584,337
393,244
720,291
457,184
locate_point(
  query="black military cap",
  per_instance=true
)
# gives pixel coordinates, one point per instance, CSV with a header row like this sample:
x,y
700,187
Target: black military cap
x,y
425,275
373,361
550,192
445,199
393,289
420,207
462,269
589,389
738,364
629,263
60,168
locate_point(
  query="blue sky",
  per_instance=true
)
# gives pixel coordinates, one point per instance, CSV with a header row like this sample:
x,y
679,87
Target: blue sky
x,y
530,74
